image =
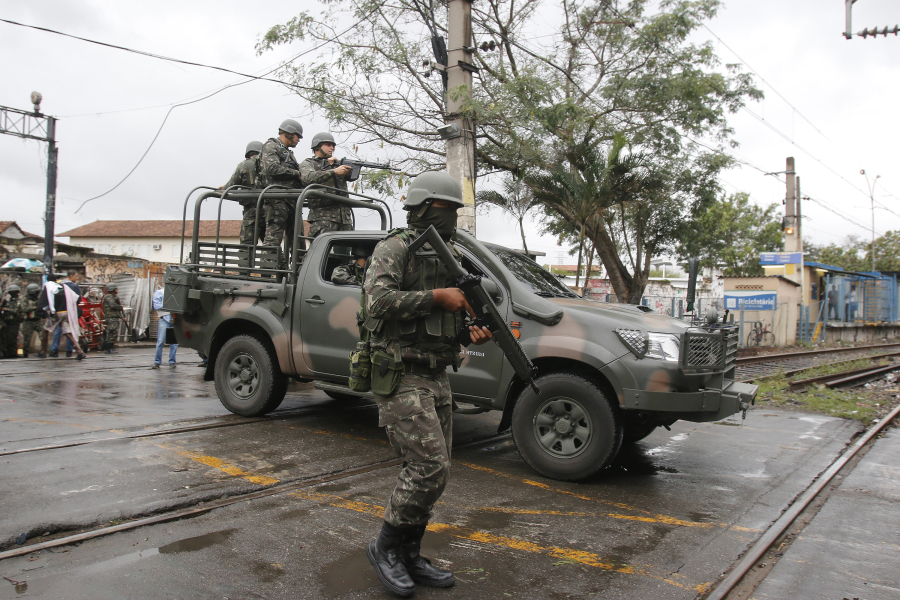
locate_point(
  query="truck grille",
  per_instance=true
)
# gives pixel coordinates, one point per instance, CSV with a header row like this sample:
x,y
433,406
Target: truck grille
x,y
708,351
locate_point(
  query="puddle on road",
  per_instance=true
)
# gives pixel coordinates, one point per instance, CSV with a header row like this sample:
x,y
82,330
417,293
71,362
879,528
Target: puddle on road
x,y
350,573
199,542
488,520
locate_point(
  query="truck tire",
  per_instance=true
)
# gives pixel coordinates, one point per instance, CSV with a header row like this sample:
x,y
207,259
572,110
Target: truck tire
x,y
570,430
248,380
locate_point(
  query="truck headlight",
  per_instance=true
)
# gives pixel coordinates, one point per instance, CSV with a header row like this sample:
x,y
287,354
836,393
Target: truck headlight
x,y
663,346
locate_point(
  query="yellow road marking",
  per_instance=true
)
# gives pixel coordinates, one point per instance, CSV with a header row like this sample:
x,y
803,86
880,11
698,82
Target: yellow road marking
x,y
221,465
580,556
651,518
52,423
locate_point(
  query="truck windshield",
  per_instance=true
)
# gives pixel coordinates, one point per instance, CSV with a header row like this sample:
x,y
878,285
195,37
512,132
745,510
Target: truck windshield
x,y
531,274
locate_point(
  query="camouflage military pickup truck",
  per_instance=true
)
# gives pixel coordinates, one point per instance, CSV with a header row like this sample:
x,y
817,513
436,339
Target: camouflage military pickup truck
x,y
608,373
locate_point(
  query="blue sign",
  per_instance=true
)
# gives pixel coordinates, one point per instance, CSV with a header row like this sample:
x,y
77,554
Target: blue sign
x,y
751,300
780,258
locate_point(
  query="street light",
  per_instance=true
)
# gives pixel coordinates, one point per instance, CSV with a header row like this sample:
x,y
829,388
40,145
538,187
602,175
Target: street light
x,y
872,198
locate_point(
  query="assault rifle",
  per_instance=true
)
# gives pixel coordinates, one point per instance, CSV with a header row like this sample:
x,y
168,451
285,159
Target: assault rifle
x,y
486,314
355,166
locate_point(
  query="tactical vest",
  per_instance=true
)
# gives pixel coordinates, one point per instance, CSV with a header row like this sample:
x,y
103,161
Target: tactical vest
x,y
431,338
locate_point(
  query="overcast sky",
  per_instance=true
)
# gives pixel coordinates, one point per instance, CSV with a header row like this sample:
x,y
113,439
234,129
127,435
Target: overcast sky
x,y
111,103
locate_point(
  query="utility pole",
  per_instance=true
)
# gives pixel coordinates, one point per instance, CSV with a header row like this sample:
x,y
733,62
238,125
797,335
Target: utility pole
x,y
37,126
871,187
458,131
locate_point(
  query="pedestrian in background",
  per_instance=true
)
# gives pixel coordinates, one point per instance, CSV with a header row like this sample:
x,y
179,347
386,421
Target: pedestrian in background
x,y
11,317
61,301
165,323
71,281
112,313
31,320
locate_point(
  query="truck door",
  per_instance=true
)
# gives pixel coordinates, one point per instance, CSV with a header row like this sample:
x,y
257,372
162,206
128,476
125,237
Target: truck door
x,y
479,376
327,312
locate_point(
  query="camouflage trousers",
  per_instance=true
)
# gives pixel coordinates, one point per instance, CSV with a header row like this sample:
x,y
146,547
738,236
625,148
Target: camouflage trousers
x,y
279,219
28,328
9,340
317,228
112,331
418,419
248,224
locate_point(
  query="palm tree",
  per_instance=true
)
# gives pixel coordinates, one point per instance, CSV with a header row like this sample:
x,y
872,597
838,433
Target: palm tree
x,y
516,199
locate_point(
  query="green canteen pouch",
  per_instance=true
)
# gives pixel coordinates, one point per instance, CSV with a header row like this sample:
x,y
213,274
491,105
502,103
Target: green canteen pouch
x,y
386,373
360,370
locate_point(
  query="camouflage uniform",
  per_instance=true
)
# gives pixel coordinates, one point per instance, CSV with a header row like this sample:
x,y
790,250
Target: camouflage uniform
x,y
279,167
402,321
113,313
11,316
31,322
349,274
325,215
248,174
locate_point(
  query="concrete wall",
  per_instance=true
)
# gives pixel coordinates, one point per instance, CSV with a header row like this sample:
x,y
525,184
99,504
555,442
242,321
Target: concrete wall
x,y
782,321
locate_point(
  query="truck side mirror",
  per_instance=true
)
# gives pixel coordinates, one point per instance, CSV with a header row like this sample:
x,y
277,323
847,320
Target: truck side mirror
x,y
491,287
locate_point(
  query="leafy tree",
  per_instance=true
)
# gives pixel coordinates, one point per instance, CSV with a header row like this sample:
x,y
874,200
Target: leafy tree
x,y
848,255
733,232
611,67
855,254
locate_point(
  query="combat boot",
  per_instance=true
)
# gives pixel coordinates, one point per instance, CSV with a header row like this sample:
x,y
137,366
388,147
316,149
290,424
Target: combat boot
x,y
420,568
383,553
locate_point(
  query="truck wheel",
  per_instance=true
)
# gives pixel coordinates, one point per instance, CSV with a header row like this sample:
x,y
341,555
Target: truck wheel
x,y
570,430
248,380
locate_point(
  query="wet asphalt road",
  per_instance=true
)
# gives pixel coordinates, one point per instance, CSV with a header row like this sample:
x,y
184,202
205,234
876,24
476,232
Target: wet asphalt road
x,y
671,515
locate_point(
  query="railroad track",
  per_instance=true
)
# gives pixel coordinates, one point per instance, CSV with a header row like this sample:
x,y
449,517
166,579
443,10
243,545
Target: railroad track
x,y
751,570
750,368
196,510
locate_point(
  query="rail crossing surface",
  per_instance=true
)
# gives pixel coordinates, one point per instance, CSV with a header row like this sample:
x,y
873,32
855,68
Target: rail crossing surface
x,y
189,501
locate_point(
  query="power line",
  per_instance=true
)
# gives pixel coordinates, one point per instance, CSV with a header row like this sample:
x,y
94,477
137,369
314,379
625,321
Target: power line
x,y
763,79
174,106
159,56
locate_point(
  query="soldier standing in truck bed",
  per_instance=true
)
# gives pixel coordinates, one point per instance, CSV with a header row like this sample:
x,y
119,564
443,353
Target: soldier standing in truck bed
x,y
413,316
281,168
249,174
325,215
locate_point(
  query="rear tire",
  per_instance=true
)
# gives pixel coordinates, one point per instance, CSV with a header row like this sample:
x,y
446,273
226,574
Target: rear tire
x,y
248,380
570,430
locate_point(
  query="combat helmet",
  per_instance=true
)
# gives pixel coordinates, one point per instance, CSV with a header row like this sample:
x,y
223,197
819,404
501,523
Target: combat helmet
x,y
321,138
291,126
253,147
13,288
33,289
433,186
111,287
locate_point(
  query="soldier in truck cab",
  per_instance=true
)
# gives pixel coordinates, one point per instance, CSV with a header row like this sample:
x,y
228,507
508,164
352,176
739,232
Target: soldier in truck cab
x,y
413,314
353,271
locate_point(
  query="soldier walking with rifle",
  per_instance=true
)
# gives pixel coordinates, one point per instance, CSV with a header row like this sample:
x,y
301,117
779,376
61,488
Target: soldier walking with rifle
x,y
412,319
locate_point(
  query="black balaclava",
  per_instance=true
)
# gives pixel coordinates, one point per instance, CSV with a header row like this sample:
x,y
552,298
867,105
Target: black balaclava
x,y
443,219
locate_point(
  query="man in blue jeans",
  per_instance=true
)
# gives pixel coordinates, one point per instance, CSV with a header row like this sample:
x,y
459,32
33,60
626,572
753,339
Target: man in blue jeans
x,y
165,323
